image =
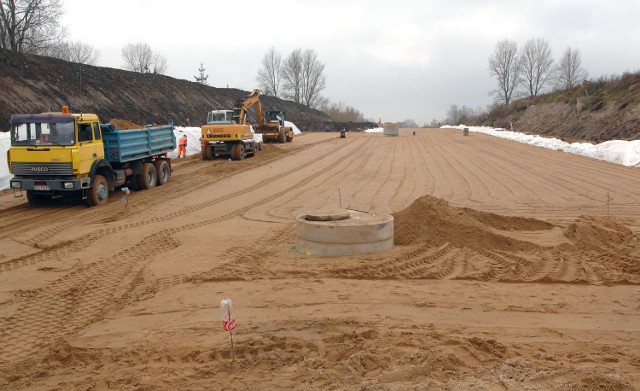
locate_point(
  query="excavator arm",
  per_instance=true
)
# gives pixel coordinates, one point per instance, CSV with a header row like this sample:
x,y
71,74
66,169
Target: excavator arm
x,y
242,106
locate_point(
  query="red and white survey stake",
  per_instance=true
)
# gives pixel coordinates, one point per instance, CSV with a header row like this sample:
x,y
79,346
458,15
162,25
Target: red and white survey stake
x,y
228,321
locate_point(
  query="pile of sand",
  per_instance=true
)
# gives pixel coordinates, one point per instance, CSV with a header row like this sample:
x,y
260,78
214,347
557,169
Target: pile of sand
x,y
434,221
445,242
124,124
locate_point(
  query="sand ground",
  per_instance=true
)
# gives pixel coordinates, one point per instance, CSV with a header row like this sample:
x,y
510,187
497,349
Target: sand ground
x,y
515,268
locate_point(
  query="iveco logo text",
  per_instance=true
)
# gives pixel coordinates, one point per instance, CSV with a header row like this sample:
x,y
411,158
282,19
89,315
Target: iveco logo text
x,y
40,169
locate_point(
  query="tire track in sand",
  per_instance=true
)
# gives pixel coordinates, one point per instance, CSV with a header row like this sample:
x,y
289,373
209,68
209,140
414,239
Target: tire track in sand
x,y
89,292
65,250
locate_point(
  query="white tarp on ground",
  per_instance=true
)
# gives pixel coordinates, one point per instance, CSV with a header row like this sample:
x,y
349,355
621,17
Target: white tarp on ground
x,y
375,130
626,153
295,128
5,143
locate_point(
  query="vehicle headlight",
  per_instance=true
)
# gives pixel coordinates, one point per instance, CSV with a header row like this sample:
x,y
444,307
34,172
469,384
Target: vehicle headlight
x,y
16,185
68,185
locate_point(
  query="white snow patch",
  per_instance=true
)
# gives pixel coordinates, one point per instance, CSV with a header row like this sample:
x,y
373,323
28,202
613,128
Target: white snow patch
x,y
296,131
5,143
626,153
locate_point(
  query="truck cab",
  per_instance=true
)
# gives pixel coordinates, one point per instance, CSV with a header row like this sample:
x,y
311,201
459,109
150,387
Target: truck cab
x,y
53,145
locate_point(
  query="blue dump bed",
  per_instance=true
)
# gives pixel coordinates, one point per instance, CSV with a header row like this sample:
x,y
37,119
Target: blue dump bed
x,y
127,145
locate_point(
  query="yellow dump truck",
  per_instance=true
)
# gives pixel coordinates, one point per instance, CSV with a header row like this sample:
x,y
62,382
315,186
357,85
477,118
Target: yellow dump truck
x,y
74,156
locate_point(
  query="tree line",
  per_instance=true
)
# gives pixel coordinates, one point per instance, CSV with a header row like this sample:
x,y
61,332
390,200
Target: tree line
x,y
519,73
529,71
33,26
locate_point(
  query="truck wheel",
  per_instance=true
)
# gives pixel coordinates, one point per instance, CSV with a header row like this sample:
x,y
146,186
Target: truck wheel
x,y
99,192
148,178
207,152
232,152
163,172
282,138
35,199
240,153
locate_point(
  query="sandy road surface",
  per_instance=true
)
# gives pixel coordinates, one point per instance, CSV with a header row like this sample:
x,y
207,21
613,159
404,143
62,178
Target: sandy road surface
x,y
472,296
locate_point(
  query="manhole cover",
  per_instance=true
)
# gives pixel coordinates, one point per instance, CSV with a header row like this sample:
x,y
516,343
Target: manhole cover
x,y
328,215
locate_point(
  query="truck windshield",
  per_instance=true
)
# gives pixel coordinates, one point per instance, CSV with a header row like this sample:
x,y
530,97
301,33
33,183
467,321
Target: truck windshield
x,y
54,133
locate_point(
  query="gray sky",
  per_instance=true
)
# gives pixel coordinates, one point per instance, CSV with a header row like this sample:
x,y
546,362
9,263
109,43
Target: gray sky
x,y
393,60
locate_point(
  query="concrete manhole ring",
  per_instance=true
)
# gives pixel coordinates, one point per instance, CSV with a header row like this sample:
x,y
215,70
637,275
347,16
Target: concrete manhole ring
x,y
331,234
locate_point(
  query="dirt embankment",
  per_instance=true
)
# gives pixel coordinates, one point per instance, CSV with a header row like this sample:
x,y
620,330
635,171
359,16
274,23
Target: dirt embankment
x,y
33,84
594,111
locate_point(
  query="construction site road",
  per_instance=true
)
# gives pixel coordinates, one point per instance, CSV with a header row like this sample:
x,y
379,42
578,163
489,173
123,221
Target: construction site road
x,y
514,268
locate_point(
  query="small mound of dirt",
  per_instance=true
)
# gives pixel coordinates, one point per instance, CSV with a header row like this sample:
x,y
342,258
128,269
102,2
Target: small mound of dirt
x,y
592,233
435,221
124,124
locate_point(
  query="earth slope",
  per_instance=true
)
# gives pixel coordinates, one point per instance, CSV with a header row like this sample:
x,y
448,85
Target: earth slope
x,y
33,84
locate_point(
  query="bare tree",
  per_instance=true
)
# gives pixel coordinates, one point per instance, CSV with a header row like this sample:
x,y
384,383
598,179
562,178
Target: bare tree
x,y
536,64
270,75
504,66
202,77
75,52
159,64
292,76
321,102
30,25
139,57
570,70
313,78
453,115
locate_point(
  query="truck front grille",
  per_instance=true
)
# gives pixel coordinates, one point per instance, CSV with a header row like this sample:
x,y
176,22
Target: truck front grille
x,y
41,169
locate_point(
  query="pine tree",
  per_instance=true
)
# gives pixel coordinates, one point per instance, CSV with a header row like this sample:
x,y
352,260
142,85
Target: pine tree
x,y
202,78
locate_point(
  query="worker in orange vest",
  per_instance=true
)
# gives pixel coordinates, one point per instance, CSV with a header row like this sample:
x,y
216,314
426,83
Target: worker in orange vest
x,y
182,146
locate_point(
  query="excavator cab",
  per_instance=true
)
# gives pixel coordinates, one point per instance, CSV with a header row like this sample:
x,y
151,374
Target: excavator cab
x,y
220,117
275,116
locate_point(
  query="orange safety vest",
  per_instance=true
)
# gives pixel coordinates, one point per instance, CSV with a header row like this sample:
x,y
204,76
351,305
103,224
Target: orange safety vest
x,y
183,141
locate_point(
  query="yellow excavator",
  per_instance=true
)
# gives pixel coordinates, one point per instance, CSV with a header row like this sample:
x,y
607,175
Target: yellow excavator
x,y
227,133
271,125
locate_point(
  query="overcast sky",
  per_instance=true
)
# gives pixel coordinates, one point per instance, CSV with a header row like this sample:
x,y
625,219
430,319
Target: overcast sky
x,y
393,60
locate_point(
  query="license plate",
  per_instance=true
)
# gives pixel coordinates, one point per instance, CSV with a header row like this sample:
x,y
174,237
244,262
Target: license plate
x,y
41,187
